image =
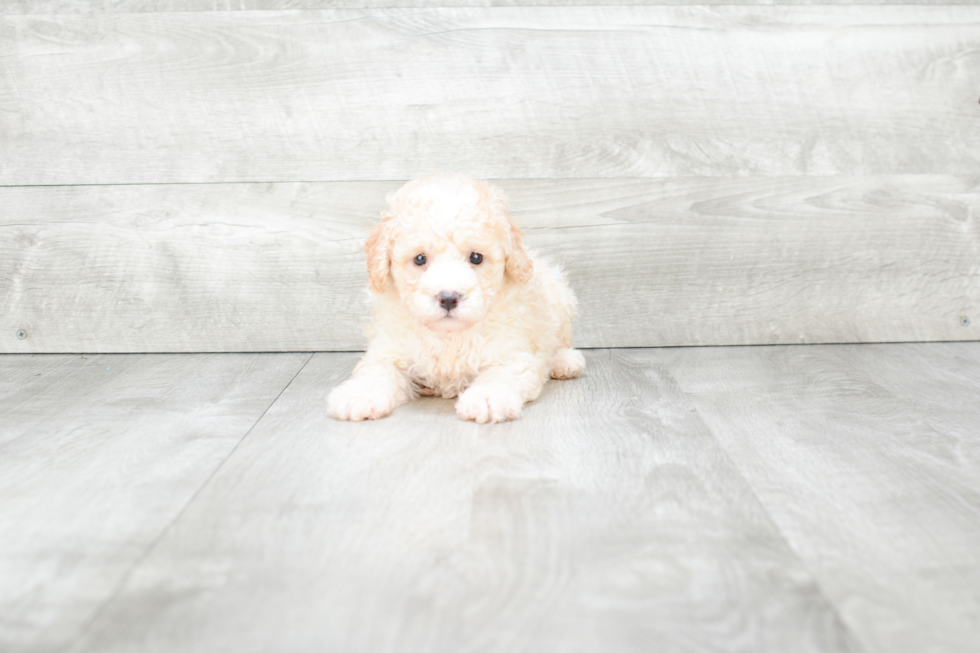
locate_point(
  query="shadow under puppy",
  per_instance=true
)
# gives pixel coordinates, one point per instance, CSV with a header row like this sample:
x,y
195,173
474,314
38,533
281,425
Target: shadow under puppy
x,y
460,308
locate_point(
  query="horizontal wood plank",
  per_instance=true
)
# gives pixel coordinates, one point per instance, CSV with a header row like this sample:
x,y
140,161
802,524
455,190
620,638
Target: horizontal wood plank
x,y
520,92
607,518
99,454
22,7
278,267
879,493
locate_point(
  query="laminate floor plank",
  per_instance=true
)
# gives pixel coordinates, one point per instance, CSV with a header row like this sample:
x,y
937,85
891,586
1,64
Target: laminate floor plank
x,y
98,455
31,385
940,380
868,460
606,519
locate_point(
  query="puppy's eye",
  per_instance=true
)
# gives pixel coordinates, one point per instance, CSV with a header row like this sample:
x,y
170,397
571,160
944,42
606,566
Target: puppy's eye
x,y
420,259
476,258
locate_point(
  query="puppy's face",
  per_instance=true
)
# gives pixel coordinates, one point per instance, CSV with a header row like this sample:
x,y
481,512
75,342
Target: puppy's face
x,y
449,247
448,275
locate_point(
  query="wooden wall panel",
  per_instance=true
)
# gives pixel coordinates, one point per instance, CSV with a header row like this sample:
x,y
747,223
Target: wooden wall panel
x,y
201,181
268,267
186,267
15,7
523,92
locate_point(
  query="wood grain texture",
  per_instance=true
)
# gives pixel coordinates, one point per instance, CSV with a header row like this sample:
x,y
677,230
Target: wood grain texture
x,y
98,455
187,268
278,267
528,92
606,519
16,7
943,387
878,491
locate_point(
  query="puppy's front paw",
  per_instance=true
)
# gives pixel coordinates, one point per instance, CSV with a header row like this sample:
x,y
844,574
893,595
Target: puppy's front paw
x,y
356,400
489,402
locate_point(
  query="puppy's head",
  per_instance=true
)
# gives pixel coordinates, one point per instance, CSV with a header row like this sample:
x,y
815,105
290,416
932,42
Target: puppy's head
x,y
449,246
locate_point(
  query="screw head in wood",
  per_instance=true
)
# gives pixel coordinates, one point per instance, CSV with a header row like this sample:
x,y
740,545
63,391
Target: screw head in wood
x,y
21,334
964,321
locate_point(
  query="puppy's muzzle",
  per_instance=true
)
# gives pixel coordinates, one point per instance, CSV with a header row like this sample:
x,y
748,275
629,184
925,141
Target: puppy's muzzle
x,y
449,300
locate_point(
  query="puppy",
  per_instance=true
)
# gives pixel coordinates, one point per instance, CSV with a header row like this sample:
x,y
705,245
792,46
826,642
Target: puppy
x,y
461,309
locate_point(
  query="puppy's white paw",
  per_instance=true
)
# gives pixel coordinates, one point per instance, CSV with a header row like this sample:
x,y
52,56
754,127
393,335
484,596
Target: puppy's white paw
x,y
489,402
357,400
568,364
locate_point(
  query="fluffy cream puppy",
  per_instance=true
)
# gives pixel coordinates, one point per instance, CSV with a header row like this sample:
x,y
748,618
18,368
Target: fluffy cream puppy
x,y
461,309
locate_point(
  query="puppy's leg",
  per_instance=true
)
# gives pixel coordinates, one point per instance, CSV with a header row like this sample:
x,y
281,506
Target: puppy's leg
x,y
374,390
498,393
567,364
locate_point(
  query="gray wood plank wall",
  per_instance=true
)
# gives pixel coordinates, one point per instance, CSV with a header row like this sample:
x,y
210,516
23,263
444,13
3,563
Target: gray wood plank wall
x,y
201,181
240,267
523,92
14,7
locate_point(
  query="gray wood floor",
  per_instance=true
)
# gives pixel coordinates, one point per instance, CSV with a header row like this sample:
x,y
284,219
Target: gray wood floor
x,y
817,498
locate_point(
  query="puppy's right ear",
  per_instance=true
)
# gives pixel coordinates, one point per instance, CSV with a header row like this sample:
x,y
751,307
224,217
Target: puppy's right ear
x,y
377,248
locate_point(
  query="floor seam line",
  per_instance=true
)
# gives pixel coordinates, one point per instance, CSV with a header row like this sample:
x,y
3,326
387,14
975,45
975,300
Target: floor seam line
x,y
166,529
831,605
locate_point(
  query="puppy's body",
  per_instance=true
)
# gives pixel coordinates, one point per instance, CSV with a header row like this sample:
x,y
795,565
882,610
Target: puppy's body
x,y
461,309
526,322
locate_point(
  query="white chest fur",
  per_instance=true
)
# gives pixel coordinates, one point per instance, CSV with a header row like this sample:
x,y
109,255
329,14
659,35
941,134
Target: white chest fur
x,y
445,365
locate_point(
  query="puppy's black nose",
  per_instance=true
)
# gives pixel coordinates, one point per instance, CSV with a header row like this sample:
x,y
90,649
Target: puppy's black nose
x,y
448,300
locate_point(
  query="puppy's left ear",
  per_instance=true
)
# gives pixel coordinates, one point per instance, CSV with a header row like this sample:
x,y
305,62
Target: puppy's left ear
x,y
519,265
376,246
